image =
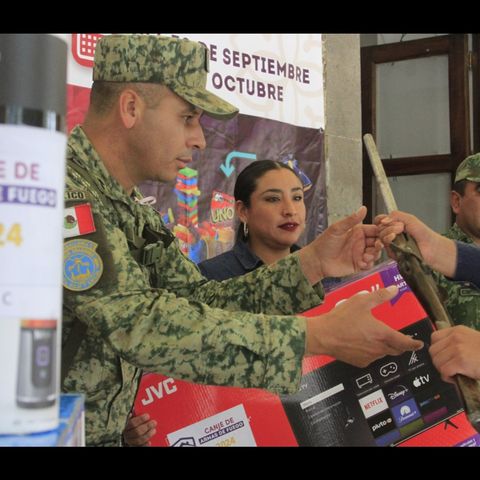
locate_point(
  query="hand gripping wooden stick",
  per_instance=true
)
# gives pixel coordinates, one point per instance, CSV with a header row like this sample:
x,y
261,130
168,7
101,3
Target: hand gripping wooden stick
x,y
419,278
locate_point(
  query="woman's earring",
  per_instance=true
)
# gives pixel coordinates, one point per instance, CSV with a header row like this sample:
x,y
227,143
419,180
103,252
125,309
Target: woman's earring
x,y
245,230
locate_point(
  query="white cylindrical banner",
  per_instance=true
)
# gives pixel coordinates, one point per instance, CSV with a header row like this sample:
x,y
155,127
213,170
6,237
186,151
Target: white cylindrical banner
x,y
32,176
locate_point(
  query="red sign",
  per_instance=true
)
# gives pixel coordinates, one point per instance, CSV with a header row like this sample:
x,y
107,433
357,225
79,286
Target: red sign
x,y
83,47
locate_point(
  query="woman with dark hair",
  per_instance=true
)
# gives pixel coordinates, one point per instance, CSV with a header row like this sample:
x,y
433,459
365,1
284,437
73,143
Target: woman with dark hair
x,y
270,206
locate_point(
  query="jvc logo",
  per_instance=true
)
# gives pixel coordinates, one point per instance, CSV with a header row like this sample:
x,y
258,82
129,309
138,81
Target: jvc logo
x,y
165,387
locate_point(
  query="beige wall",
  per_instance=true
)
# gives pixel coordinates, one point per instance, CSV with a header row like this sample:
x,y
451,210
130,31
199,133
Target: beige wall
x,y
343,147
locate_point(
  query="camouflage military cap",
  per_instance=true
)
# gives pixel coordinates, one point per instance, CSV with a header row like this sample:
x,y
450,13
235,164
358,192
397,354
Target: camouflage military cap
x,y
469,169
180,64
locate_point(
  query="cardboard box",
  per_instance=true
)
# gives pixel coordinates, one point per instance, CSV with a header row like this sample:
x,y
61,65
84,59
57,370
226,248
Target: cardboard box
x,y
70,432
394,401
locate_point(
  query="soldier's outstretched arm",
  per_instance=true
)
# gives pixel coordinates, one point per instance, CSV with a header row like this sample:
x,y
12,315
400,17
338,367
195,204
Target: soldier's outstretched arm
x,y
439,252
453,259
157,330
352,334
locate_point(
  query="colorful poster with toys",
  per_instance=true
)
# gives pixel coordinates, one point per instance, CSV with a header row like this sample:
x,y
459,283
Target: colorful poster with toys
x,y
277,83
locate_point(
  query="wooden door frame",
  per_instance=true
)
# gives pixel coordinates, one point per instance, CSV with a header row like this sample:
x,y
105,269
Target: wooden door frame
x,y
476,91
456,48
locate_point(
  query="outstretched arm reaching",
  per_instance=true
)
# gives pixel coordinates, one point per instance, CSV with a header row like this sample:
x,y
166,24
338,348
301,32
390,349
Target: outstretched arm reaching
x,y
453,259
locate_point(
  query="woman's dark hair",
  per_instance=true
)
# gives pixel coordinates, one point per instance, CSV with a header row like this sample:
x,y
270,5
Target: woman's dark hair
x,y
247,182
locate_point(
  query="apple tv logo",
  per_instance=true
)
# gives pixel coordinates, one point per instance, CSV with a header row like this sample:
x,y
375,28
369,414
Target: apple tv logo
x,y
420,380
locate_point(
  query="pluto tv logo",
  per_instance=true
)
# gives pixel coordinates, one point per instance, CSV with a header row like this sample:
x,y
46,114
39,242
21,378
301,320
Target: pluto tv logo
x,y
381,424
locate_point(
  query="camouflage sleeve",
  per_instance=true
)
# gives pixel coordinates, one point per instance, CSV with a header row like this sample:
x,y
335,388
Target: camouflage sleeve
x,y
280,288
462,300
276,289
154,329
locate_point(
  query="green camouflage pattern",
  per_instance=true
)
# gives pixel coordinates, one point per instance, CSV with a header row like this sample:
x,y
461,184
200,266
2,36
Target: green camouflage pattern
x,y
180,64
469,169
167,318
462,298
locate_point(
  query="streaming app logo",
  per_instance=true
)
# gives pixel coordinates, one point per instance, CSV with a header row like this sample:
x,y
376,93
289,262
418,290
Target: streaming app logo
x,y
397,393
373,403
405,412
421,380
381,424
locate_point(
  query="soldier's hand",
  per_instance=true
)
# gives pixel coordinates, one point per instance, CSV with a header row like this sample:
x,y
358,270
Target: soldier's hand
x,y
345,247
456,350
437,251
351,333
139,430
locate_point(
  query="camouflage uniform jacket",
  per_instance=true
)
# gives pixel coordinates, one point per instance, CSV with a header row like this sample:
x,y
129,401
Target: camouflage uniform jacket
x,y
463,300
164,316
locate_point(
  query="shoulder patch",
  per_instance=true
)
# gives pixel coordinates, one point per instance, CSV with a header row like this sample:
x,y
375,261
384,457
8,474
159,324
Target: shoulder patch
x,y
82,265
74,195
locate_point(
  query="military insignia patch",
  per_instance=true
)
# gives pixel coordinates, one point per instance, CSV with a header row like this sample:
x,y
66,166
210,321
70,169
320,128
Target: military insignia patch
x,y
74,195
78,220
82,265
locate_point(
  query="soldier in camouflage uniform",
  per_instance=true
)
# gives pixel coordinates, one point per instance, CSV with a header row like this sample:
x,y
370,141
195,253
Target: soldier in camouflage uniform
x,y
133,301
463,302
